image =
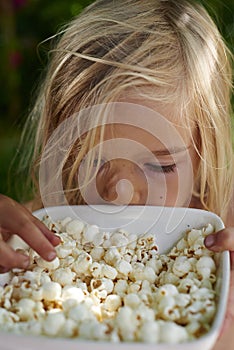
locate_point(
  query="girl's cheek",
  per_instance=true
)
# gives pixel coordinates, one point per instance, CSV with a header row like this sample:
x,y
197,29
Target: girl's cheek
x,y
172,189
185,183
91,195
164,192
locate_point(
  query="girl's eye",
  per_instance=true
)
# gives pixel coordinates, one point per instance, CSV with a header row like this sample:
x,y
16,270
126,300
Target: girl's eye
x,y
160,168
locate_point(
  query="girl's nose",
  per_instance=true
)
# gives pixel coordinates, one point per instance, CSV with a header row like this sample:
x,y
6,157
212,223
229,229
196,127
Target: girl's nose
x,y
122,182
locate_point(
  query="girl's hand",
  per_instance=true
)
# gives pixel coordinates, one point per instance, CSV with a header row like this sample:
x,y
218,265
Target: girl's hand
x,y
16,219
224,240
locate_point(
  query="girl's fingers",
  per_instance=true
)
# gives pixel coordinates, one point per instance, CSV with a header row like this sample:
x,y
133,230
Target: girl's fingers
x,y
9,258
55,240
9,204
18,220
33,236
221,240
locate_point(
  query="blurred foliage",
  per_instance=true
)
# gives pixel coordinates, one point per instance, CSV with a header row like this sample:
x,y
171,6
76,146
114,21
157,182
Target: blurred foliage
x,y
24,24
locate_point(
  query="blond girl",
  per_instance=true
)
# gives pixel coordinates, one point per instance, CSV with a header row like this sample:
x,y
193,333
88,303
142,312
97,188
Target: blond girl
x,y
134,109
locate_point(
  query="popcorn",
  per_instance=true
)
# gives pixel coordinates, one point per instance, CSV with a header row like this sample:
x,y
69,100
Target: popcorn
x,y
193,236
37,294
109,272
170,332
93,330
32,276
80,313
123,267
50,265
25,309
112,256
149,274
90,234
113,286
67,261
75,228
182,300
51,291
144,314
149,332
132,241
167,308
82,264
64,276
44,278
120,287
168,277
181,266
127,323
132,300
205,265
25,290
63,252
33,327
53,323
102,284
74,293
167,290
69,329
8,317
96,270
119,240
64,222
97,253
112,302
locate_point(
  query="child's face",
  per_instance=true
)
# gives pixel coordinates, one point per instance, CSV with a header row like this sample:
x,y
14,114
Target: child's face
x,y
142,165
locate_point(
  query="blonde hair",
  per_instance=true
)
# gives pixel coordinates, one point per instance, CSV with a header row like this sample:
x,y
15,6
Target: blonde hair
x,y
171,46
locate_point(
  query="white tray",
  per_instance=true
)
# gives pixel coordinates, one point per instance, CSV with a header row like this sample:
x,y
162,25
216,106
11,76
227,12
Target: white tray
x,y
168,224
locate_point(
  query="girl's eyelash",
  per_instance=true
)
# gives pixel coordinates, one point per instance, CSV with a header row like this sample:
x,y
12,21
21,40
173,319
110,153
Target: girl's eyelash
x,y
151,166
161,168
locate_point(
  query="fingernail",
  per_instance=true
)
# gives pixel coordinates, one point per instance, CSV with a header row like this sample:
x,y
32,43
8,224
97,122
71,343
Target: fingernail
x,y
56,239
210,240
51,256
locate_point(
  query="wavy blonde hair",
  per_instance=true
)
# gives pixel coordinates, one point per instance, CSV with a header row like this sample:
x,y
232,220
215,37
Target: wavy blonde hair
x,y
171,46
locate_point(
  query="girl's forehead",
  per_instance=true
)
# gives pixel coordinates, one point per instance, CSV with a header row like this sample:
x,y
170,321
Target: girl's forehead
x,y
121,140
153,125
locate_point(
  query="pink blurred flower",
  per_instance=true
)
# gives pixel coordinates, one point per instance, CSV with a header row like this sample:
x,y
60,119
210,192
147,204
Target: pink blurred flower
x,y
19,3
15,59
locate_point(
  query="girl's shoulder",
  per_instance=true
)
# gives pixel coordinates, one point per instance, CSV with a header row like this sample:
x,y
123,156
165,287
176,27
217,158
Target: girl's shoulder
x,y
230,216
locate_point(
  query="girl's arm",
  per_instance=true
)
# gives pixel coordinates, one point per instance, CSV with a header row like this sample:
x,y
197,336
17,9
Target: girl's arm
x,y
16,219
224,240
226,338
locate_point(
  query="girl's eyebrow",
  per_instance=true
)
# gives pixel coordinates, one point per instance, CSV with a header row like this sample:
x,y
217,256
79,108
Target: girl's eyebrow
x,y
168,151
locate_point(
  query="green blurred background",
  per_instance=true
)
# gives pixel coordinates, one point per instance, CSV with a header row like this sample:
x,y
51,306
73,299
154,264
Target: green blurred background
x,y
24,25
